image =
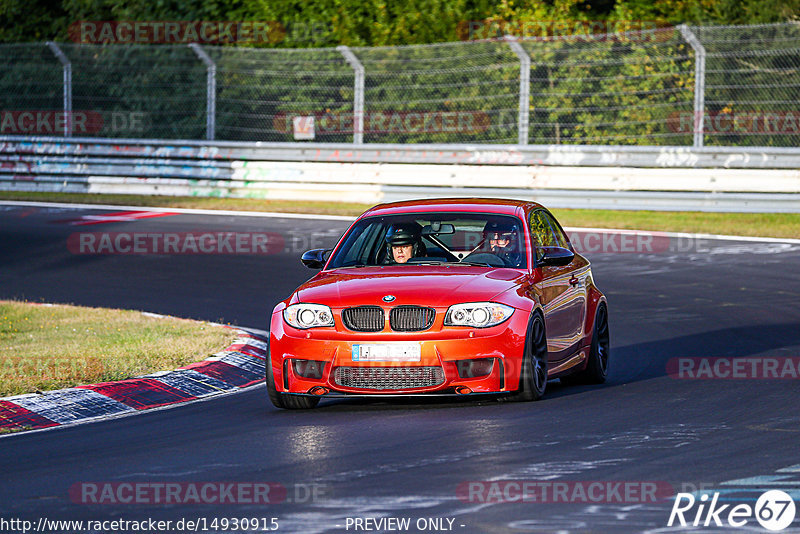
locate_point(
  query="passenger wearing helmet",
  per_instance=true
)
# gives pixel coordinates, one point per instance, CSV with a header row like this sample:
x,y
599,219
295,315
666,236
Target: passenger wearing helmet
x,y
403,242
502,240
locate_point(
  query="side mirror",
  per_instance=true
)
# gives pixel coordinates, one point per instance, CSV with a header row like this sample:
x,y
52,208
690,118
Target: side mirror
x,y
314,259
556,256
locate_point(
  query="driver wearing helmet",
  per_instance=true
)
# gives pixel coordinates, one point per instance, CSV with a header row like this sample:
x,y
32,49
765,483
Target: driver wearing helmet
x,y
403,242
502,240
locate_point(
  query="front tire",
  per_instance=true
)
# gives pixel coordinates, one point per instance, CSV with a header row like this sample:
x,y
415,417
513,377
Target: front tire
x,y
283,400
533,374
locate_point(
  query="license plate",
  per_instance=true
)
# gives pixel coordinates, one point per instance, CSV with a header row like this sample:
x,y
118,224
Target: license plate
x,y
387,352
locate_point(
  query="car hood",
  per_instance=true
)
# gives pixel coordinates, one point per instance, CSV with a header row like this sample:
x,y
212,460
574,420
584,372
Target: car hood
x,y
424,285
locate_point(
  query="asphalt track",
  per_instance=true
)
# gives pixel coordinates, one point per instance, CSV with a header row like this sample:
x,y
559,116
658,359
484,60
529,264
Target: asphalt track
x,y
409,459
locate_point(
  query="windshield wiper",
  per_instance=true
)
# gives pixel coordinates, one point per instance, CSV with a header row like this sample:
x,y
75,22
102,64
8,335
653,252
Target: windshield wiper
x,y
436,262
477,263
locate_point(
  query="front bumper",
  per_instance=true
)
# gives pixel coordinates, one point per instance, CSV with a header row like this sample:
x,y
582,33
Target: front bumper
x,y
441,349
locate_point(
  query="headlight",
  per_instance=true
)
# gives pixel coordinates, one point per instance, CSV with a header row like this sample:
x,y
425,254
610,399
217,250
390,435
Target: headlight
x,y
308,315
477,314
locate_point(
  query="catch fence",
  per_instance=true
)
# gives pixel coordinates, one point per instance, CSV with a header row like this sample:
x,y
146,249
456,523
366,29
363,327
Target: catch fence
x,y
694,86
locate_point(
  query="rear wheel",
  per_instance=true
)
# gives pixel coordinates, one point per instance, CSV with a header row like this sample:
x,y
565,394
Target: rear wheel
x,y
283,400
597,367
533,375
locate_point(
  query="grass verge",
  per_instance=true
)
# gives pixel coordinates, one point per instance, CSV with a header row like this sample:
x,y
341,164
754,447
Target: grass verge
x,y
694,222
746,224
44,347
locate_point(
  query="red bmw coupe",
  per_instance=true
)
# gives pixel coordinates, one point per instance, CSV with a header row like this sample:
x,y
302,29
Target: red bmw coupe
x,y
440,297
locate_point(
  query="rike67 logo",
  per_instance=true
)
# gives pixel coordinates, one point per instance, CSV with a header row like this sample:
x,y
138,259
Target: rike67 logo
x,y
774,510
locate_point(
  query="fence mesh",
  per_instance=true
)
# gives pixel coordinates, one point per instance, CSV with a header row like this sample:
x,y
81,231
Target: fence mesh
x,y
752,85
456,92
31,80
611,89
615,89
259,92
138,91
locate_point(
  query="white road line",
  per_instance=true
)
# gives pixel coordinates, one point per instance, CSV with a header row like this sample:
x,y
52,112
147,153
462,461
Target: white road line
x,y
269,214
686,234
187,211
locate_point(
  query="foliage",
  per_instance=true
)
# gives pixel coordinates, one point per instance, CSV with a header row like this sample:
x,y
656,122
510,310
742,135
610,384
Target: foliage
x,y
376,22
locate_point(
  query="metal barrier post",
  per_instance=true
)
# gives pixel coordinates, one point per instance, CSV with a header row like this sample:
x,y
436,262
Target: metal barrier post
x,y
524,89
211,90
358,98
67,86
699,82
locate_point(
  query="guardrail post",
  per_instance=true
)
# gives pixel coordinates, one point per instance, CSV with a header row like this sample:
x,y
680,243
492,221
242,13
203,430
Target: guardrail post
x,y
699,82
67,65
358,98
523,118
211,90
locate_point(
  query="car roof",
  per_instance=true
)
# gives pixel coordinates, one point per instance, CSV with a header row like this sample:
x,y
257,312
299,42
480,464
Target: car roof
x,y
490,205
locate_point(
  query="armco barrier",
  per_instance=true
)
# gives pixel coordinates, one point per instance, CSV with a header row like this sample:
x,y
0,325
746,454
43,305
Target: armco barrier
x,y
717,179
577,155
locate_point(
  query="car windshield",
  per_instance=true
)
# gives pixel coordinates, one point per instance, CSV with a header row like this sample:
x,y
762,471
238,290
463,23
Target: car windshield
x,y
485,239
